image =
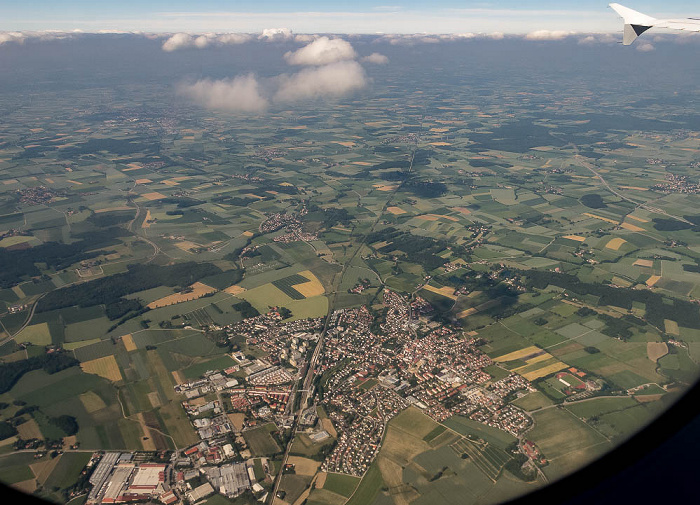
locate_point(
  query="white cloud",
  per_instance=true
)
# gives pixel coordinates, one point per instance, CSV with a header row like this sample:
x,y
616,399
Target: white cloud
x,y
376,58
598,38
335,79
186,41
276,34
645,48
322,51
240,94
304,38
17,37
548,35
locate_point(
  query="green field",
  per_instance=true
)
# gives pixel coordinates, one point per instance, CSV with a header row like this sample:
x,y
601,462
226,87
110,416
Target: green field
x,y
343,485
198,370
260,441
369,487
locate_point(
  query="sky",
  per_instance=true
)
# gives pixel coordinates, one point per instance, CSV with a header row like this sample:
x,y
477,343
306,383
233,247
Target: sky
x,y
328,16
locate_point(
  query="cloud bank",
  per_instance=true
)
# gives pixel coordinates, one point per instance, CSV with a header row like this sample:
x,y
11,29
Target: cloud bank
x,y
187,41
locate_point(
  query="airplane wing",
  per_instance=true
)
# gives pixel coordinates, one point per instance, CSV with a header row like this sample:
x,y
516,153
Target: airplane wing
x,y
637,23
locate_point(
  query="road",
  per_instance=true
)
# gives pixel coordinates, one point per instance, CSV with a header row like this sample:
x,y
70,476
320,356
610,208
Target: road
x,y
310,372
607,186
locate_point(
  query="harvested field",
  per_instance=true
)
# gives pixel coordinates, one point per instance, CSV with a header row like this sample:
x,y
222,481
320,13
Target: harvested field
x,y
29,429
104,367
656,350
43,469
644,263
594,216
462,210
397,211
92,402
129,344
328,426
196,290
445,291
466,313
237,420
518,354
577,238
671,327
311,288
543,372
154,196
304,466
615,243
631,227
179,379
234,290
653,280
186,245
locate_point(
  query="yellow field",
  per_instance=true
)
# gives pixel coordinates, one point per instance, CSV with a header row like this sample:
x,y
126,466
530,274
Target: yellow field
x,y
656,350
396,210
104,367
615,243
517,354
445,291
631,227
311,288
577,238
599,217
92,402
428,217
440,144
644,263
143,181
247,233
466,313
439,130
153,196
128,341
463,210
344,144
671,327
186,245
234,290
542,372
537,359
198,291
384,187
638,219
362,163
653,280
179,379
146,222
636,188
303,466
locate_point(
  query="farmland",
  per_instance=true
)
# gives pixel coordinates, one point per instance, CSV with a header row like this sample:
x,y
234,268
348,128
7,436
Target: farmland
x,y
513,260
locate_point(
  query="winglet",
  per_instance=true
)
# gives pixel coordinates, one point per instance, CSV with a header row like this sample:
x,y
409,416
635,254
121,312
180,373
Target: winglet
x,y
636,23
